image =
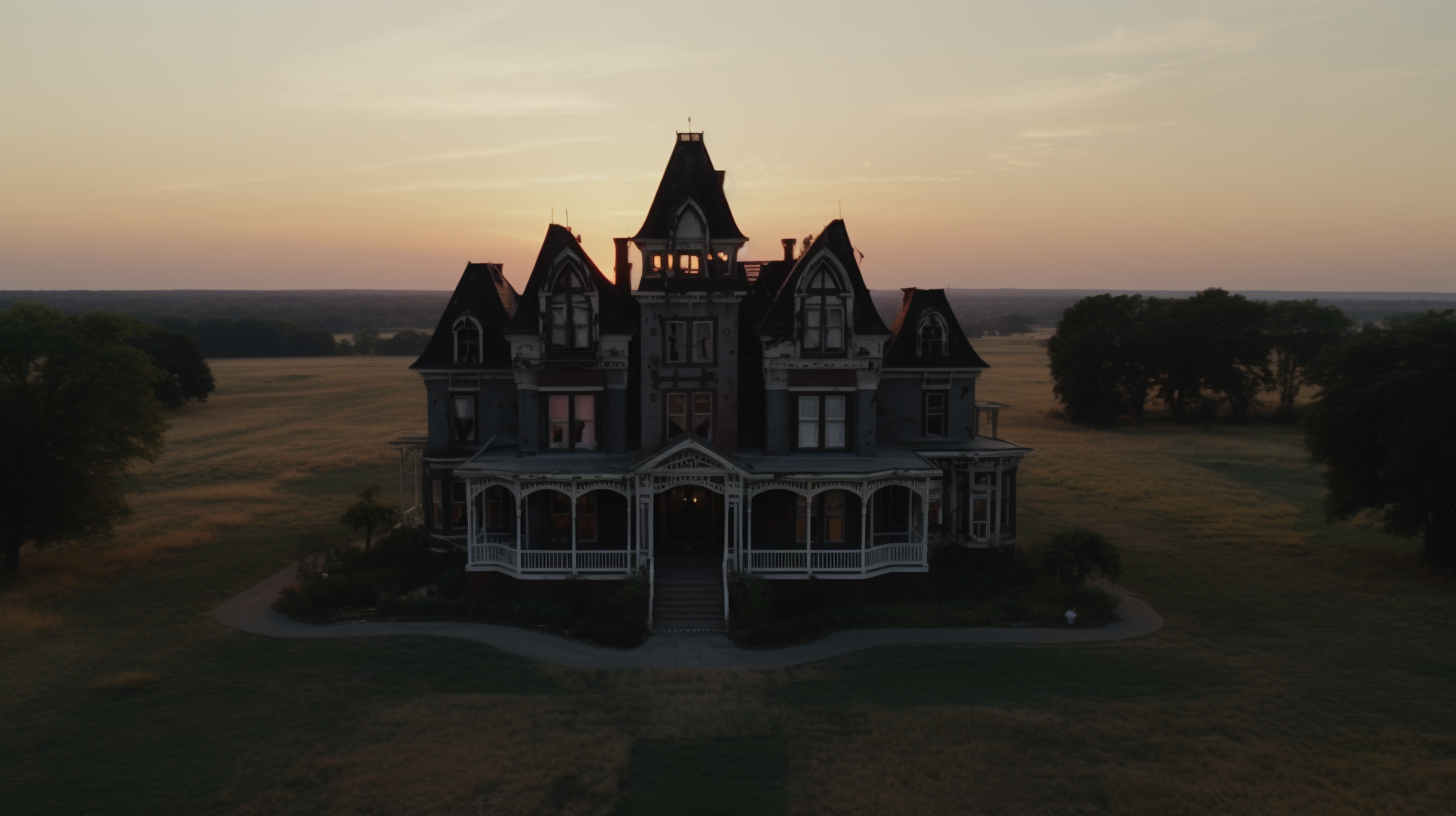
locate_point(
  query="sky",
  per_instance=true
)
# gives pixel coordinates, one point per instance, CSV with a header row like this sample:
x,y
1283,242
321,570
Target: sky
x,y
1249,144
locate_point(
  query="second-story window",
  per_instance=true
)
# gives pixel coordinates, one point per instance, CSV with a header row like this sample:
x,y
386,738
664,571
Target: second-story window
x,y
462,417
467,340
687,264
935,413
689,411
823,313
571,421
823,422
688,341
569,315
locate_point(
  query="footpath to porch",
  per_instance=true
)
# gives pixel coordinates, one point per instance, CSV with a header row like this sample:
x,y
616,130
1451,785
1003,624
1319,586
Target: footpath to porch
x,y
252,612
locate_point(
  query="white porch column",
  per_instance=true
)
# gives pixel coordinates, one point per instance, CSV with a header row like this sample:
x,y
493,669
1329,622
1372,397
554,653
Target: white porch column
x,y
748,534
469,517
573,527
809,533
863,516
925,525
520,521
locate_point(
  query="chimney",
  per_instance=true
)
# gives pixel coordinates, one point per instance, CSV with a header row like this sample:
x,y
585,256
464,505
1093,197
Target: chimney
x,y
721,174
623,269
788,247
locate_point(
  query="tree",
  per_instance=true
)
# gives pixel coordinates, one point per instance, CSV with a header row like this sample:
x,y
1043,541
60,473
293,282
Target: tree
x,y
1013,324
1384,427
1300,331
1072,556
1212,344
368,514
76,407
1100,357
186,375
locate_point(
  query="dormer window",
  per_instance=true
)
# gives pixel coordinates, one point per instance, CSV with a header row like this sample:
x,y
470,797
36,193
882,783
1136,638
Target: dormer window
x,y
932,336
568,314
467,341
687,264
823,312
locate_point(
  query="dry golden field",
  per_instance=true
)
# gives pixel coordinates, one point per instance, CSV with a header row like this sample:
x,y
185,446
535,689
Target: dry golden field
x,y
1305,668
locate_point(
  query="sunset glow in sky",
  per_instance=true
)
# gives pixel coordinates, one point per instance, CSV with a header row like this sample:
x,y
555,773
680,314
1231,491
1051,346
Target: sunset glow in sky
x,y
1068,144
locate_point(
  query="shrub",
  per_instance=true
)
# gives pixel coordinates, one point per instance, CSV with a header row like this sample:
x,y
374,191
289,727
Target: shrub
x,y
1071,556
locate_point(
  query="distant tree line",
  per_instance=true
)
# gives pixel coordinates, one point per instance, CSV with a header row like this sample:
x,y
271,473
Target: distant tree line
x,y
1200,356
220,337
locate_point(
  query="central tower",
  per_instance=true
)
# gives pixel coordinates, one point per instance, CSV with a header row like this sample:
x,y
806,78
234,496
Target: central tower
x,y
689,293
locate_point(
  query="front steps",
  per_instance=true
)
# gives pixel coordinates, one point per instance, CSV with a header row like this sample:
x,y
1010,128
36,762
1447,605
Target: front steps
x,y
688,603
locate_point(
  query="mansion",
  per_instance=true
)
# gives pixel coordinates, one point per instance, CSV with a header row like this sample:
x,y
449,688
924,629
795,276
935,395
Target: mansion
x,y
720,415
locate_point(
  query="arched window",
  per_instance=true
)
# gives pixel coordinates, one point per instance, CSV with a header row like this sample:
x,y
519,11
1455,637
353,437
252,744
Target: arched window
x,y
467,341
568,314
823,315
932,336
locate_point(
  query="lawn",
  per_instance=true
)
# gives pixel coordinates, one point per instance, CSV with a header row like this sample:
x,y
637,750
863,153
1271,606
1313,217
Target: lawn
x,y
1304,668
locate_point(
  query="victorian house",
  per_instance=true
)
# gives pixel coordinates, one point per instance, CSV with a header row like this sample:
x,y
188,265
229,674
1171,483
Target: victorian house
x,y
721,415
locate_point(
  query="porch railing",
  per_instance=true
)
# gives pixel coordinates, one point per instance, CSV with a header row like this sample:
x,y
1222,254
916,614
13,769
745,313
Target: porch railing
x,y
492,550
885,555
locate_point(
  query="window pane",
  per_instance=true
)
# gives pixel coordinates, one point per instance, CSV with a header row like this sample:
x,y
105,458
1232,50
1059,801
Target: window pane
x,y
558,322
462,408
833,407
558,434
808,433
586,406
586,434
808,407
677,342
833,315
677,415
834,433
703,414
702,342
560,405
580,323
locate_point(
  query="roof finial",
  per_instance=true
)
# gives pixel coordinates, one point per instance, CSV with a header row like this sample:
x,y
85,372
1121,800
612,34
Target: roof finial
x,y
690,124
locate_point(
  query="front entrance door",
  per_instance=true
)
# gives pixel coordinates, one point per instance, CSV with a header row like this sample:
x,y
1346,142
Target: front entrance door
x,y
689,523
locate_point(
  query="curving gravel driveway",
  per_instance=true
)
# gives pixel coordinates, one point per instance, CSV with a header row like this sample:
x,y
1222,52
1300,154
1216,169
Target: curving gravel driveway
x,y
252,612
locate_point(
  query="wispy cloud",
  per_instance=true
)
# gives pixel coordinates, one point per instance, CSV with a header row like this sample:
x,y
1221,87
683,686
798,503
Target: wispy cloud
x,y
486,183
479,153
1084,131
1040,95
1179,36
465,67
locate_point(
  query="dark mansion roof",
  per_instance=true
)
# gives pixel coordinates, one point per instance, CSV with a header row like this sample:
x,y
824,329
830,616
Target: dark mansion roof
x,y
689,175
779,317
484,294
618,312
901,353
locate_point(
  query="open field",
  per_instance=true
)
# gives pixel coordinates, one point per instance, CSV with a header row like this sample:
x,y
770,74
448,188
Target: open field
x,y
1304,668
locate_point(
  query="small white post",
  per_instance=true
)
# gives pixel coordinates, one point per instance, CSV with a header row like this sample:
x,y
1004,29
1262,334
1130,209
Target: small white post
x,y
573,527
863,516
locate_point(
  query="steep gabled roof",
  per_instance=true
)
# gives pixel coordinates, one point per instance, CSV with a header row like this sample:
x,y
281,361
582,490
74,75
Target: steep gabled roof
x,y
778,319
913,308
689,175
618,314
484,294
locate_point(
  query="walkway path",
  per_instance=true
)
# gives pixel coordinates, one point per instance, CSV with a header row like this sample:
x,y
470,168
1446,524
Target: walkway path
x,y
252,612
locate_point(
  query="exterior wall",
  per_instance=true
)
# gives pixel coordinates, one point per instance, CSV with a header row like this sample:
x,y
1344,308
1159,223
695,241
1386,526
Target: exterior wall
x,y
776,420
437,412
658,377
900,408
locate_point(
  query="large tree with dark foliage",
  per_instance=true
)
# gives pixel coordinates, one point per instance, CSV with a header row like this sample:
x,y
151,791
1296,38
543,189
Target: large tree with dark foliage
x,y
76,407
186,375
1101,359
1300,331
1384,426
1209,346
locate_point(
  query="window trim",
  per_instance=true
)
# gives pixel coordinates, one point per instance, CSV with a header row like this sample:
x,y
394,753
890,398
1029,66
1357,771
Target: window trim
x,y
818,299
453,418
934,320
467,322
944,413
571,398
572,299
821,420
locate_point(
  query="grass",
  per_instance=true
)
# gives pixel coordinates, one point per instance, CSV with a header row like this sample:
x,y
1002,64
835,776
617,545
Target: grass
x,y
1304,668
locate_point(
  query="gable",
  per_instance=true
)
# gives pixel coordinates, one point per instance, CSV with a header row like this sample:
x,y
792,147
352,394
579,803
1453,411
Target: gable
x,y
484,295
831,247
